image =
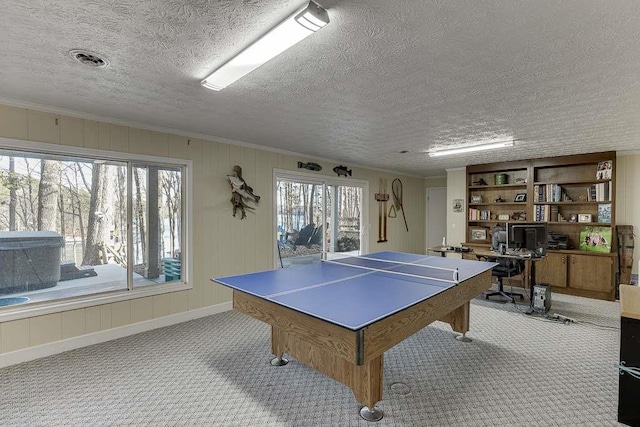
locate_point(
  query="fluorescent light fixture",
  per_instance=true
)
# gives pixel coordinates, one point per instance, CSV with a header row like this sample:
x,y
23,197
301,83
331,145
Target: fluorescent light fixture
x,y
289,32
471,148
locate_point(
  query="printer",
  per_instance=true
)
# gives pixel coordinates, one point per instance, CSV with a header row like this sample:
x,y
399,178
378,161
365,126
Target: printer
x,y
557,241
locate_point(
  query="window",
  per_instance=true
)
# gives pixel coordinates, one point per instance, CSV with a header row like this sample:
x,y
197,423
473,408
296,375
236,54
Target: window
x,y
318,218
81,224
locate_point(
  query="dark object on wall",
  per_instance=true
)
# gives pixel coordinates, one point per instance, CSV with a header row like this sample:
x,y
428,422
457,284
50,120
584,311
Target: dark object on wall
x,y
241,193
309,166
342,171
30,260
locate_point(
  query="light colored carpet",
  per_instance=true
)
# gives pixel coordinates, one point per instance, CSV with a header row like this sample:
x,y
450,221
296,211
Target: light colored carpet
x,y
518,371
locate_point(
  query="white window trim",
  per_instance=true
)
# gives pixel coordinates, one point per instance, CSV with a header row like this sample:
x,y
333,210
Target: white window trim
x,y
64,304
323,180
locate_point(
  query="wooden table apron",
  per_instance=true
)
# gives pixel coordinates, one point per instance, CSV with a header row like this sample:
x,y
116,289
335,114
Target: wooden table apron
x,y
354,358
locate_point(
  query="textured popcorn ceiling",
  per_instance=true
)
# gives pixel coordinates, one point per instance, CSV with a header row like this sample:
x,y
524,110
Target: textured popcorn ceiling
x,y
561,76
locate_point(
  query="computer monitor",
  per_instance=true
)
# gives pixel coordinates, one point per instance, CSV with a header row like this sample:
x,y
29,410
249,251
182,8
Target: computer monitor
x,y
529,235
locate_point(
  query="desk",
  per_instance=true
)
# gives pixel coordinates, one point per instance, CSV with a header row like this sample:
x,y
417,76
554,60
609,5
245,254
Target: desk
x,y
340,316
444,250
488,253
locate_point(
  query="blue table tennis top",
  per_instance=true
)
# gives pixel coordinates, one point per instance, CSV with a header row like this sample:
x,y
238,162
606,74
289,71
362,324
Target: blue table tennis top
x,y
355,292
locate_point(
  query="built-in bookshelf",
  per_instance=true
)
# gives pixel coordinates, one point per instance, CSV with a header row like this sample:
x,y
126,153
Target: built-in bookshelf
x,y
574,195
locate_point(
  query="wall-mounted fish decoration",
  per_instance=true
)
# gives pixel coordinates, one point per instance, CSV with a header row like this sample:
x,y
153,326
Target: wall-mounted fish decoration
x,y
342,171
310,166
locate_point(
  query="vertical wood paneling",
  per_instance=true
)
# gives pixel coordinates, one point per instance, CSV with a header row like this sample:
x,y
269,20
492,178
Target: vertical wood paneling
x,y
140,142
178,302
74,323
160,143
120,138
209,224
90,134
141,309
14,122
71,131
194,153
93,319
14,335
161,305
121,313
44,127
45,329
105,317
104,136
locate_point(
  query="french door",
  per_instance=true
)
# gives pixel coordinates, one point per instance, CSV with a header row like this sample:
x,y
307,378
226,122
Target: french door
x,y
318,218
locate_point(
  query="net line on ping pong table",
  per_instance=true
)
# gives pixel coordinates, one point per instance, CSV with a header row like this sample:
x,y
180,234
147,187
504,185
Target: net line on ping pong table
x,y
371,270
454,271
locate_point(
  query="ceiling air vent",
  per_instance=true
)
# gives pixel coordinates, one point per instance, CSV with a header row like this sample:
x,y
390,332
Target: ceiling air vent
x,y
91,59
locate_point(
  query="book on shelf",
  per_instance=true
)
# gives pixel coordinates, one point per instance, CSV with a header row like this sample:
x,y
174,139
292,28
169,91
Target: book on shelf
x,y
549,193
604,213
600,192
479,215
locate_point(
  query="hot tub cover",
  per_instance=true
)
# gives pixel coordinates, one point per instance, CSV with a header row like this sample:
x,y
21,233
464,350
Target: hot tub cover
x,y
12,240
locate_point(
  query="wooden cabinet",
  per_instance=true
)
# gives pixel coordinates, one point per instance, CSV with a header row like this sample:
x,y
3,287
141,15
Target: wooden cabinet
x,y
573,195
577,273
553,270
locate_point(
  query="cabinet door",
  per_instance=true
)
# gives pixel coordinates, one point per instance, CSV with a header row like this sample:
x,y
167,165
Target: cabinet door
x,y
552,270
591,273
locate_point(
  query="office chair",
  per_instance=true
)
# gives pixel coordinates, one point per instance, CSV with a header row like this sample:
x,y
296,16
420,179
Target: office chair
x,y
507,268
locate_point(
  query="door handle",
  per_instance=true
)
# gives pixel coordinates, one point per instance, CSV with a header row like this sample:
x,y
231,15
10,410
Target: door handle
x,y
564,260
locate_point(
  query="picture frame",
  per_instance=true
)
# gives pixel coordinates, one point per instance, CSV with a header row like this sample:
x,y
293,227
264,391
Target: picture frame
x,y
458,205
595,239
520,197
573,218
604,213
605,169
478,233
476,198
584,218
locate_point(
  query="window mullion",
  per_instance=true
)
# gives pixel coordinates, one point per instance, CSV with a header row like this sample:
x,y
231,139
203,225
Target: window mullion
x,y
130,256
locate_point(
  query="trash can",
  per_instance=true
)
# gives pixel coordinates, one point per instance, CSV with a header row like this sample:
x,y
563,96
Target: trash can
x,y
29,260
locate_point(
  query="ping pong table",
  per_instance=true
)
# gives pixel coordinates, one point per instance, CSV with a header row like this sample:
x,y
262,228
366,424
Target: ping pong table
x,y
340,316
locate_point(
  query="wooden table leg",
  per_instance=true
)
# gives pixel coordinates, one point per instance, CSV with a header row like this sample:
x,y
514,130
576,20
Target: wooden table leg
x,y
459,321
277,347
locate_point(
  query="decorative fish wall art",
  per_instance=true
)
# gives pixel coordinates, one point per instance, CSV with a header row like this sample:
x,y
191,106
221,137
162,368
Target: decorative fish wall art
x,y
310,166
342,171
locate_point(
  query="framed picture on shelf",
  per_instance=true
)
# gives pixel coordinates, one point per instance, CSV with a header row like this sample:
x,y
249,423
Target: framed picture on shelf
x,y
520,197
476,199
478,233
584,217
604,213
604,170
573,218
595,239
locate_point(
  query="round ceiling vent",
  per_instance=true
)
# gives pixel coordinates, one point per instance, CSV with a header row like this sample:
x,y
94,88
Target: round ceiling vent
x,y
86,57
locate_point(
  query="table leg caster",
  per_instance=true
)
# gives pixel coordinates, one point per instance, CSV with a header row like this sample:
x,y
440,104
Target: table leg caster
x,y
373,415
279,361
463,338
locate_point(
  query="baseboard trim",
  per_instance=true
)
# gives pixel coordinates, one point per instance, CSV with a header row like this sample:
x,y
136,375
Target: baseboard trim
x,y
49,349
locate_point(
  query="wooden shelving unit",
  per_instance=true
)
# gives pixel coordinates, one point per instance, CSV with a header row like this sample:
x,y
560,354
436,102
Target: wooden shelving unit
x,y
573,182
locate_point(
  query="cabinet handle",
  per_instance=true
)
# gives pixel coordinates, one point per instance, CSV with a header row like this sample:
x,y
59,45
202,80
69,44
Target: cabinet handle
x,y
573,260
564,261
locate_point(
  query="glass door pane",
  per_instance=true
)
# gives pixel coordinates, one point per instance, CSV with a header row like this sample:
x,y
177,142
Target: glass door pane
x,y
344,221
299,224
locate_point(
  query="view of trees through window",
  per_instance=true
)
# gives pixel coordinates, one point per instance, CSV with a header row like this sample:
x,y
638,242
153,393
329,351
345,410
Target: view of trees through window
x,y
301,231
64,224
